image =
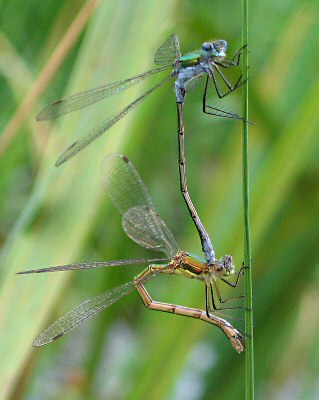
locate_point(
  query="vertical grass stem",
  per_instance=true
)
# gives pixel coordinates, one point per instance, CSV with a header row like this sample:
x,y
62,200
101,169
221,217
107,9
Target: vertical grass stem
x,y
249,376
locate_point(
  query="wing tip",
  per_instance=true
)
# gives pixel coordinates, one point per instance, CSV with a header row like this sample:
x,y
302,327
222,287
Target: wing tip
x,y
40,342
30,271
70,152
126,159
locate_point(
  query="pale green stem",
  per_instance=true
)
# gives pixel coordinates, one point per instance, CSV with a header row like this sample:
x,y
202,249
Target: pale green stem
x,y
248,272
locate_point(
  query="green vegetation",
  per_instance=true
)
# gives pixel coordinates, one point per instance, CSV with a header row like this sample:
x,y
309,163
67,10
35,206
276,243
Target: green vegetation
x,y
52,216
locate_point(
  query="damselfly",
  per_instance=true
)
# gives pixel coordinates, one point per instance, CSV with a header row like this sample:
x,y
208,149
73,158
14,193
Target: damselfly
x,y
142,224
187,70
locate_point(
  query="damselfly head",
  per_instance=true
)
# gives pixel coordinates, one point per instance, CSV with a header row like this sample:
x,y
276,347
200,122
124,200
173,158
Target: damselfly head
x,y
214,49
227,262
222,267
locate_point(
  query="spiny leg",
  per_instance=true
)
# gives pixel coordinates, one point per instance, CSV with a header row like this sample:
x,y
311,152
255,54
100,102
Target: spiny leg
x,y
216,111
221,300
239,274
211,303
232,62
227,83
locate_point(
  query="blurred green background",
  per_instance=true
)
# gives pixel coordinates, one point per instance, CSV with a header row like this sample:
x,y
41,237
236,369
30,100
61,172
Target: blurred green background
x,y
52,216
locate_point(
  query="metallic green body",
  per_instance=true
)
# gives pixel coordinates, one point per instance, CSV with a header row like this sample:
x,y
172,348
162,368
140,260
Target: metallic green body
x,y
189,60
183,264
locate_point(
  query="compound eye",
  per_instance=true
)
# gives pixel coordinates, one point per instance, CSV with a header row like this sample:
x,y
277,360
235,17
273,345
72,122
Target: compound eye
x,y
220,45
207,46
224,44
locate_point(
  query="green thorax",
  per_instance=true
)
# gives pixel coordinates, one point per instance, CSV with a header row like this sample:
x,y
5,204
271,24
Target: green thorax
x,y
192,266
189,60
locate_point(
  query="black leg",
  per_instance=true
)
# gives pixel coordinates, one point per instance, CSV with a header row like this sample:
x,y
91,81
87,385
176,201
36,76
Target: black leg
x,y
218,112
239,274
227,83
232,62
221,301
210,110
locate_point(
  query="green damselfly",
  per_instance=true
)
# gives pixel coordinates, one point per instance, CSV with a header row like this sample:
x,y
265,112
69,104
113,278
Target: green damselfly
x,y
186,71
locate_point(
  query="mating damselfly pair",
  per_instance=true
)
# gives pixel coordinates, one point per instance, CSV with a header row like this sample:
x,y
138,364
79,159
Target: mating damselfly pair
x,y
187,71
142,224
128,193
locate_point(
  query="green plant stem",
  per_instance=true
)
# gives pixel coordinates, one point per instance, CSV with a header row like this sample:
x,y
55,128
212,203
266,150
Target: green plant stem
x,y
248,272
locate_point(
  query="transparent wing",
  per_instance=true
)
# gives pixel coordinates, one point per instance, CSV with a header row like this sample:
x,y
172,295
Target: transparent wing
x,y
164,57
82,312
168,52
96,132
95,264
192,83
86,310
145,227
129,194
84,99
